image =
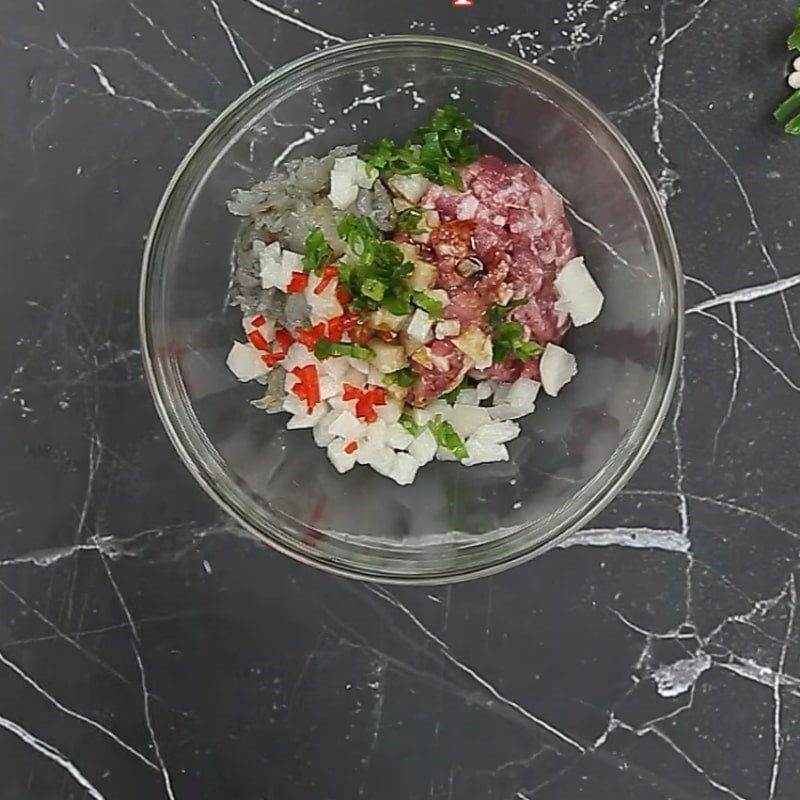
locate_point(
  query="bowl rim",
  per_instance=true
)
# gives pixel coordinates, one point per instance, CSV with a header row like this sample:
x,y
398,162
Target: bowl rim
x,y
672,361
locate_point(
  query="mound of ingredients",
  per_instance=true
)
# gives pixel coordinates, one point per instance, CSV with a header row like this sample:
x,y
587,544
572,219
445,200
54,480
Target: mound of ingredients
x,y
407,302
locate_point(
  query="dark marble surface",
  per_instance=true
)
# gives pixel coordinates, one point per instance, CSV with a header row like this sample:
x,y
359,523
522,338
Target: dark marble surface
x,y
147,650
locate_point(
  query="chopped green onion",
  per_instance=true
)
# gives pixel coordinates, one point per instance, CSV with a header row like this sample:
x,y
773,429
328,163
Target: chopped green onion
x,y
438,149
446,437
407,421
510,338
409,221
428,304
403,378
358,232
318,252
451,397
326,349
794,37
788,108
373,289
496,313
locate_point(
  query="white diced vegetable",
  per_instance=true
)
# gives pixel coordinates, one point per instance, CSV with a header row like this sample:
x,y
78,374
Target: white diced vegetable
x,y
291,261
494,433
398,437
419,328
374,376
376,433
505,411
523,392
381,459
409,187
294,405
322,306
404,469
343,462
484,452
439,295
355,377
467,207
391,412
389,357
344,188
443,454
468,397
484,390
348,427
298,355
423,448
467,419
306,420
364,176
448,328
322,434
578,294
557,368
273,273
329,387
335,367
359,365
474,343
501,391
245,362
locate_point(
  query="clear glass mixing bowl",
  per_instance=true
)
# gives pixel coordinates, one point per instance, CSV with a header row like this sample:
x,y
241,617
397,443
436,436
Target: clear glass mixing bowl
x,y
575,452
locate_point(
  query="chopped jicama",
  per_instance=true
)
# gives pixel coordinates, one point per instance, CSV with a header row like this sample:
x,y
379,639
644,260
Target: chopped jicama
x,y
557,368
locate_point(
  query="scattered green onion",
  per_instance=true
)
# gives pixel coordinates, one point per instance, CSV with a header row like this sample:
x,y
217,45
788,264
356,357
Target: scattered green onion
x,y
373,289
318,252
403,378
410,221
788,112
434,151
497,313
428,304
407,421
326,349
446,437
508,339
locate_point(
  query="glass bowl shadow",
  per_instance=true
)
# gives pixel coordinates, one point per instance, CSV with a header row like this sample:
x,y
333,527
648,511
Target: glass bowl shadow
x,y
575,452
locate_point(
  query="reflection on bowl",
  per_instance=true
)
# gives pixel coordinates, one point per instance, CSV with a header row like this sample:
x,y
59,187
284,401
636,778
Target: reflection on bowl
x,y
574,453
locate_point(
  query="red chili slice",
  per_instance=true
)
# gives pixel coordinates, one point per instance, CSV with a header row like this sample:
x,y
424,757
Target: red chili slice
x,y
298,283
257,340
329,274
343,296
307,387
310,336
258,321
351,392
271,359
350,448
284,339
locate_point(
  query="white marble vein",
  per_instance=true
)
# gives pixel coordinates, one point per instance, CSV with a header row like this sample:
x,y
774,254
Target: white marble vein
x,y
754,224
167,780
74,714
53,754
747,294
778,738
234,45
297,21
447,654
639,538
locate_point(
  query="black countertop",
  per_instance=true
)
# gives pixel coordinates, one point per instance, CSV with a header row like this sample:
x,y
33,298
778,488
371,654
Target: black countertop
x,y
147,650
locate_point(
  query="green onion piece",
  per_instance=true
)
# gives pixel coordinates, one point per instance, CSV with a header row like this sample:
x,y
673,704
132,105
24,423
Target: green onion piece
x,y
428,304
326,349
358,232
407,421
451,397
318,252
409,221
525,351
794,37
496,313
373,289
403,378
500,351
788,108
446,437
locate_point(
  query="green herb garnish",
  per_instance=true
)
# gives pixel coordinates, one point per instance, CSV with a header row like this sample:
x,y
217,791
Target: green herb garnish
x,y
318,252
788,112
434,151
428,304
451,397
407,421
403,378
326,349
410,220
377,274
446,437
508,339
497,313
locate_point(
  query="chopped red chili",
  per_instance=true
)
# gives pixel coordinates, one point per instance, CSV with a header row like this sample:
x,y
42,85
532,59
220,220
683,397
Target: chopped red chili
x,y
298,283
257,340
329,274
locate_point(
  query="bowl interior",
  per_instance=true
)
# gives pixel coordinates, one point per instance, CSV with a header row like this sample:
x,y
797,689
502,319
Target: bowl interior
x,y
573,452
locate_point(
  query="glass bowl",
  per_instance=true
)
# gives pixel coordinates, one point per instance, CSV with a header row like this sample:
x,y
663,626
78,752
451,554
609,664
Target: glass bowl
x,y
575,453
